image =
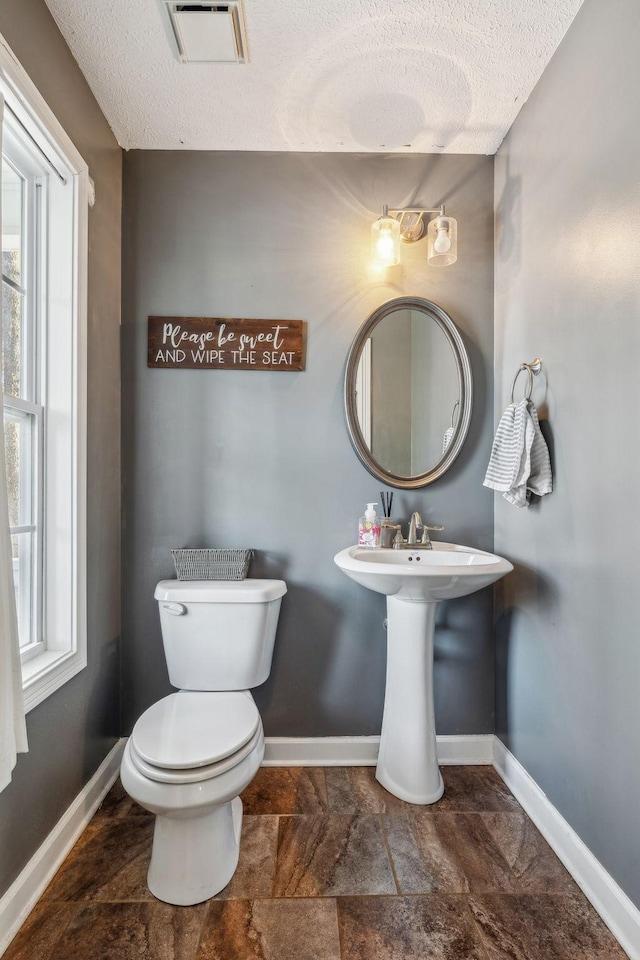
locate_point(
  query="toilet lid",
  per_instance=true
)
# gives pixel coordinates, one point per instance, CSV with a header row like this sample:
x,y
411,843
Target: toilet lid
x,y
196,774
193,728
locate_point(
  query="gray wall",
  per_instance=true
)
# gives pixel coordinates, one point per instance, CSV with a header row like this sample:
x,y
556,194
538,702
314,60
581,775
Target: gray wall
x,y
568,290
72,731
263,459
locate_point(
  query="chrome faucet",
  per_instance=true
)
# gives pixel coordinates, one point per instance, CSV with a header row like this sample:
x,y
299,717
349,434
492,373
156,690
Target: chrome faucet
x,y
414,524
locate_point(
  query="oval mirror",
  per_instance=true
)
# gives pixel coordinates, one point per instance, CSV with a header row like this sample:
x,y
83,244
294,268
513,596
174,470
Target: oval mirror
x,y
408,392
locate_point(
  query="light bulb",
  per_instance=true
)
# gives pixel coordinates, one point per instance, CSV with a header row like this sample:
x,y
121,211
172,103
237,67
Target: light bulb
x,y
442,243
385,241
385,246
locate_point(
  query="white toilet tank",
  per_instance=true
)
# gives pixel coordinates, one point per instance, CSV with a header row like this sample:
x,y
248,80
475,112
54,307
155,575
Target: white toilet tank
x,y
219,634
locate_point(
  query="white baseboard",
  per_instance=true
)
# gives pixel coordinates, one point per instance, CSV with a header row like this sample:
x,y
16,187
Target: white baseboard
x,y
27,888
614,906
363,751
466,751
320,751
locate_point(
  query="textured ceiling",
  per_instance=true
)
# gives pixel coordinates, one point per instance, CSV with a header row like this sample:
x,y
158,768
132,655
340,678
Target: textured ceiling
x,y
414,76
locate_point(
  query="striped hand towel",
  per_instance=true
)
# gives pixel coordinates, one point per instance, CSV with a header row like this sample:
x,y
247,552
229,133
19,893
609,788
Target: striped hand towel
x,y
519,463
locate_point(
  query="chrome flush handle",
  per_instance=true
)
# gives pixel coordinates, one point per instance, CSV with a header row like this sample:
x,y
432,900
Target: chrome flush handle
x,y
175,609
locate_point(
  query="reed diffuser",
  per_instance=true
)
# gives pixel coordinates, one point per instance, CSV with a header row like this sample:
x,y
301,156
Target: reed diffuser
x,y
388,530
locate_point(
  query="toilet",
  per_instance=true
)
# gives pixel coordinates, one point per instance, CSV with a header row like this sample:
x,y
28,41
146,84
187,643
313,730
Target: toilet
x,y
191,754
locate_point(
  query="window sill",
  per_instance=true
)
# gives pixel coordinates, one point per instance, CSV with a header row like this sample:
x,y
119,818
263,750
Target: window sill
x,y
46,673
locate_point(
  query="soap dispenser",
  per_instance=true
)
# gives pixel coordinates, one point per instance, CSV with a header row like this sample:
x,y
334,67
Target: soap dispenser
x,y
369,528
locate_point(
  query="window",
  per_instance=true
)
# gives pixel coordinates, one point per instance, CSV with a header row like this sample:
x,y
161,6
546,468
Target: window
x,y
45,192
23,276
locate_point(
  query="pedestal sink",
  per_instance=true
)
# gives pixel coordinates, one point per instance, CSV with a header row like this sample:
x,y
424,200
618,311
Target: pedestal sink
x,y
413,582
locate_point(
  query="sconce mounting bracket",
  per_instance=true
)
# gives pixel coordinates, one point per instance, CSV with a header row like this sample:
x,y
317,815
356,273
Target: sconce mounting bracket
x,y
412,221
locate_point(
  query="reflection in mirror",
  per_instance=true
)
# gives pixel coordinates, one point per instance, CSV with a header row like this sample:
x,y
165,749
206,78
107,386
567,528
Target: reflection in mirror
x,y
412,380
408,392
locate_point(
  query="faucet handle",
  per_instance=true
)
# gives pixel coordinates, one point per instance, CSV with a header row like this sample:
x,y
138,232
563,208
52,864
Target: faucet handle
x,y
425,532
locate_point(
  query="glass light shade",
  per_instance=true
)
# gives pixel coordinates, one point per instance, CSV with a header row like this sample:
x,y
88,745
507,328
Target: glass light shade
x,y
442,241
385,241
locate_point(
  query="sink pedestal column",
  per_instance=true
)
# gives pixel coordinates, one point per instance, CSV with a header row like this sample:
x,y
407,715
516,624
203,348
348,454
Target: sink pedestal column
x,y
408,760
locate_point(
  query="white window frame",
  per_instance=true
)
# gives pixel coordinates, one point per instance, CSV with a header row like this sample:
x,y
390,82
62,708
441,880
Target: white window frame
x,y
65,524
25,158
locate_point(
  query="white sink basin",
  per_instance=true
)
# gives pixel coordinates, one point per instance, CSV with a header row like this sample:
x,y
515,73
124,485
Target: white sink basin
x,y
443,573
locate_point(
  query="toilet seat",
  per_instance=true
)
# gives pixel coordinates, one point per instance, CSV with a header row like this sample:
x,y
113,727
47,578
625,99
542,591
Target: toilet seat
x,y
190,732
196,774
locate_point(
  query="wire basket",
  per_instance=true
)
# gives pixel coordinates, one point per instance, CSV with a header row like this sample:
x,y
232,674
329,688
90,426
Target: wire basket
x,y
211,564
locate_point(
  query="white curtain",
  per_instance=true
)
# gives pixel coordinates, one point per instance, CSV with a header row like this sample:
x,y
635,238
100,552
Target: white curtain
x,y
13,733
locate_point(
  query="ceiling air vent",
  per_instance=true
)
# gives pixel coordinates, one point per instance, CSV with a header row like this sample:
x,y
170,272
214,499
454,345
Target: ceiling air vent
x,y
209,32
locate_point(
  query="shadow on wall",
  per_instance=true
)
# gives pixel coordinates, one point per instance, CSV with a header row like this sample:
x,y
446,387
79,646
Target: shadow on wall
x,y
532,591
508,219
474,437
103,711
295,690
547,432
452,640
269,566
463,664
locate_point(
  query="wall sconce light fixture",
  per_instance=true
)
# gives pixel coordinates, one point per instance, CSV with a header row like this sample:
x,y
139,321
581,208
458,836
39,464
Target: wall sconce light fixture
x,y
408,225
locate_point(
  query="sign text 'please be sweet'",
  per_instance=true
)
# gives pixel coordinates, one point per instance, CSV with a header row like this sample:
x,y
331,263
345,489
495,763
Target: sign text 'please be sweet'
x,y
212,343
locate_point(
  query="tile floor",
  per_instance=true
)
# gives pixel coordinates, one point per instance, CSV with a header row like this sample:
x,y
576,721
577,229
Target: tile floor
x,y
332,868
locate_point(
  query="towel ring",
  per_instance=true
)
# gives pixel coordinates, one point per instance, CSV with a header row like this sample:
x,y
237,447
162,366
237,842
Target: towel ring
x,y
533,369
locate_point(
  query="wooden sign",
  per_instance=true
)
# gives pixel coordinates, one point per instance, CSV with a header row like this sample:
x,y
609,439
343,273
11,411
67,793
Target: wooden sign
x,y
211,343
